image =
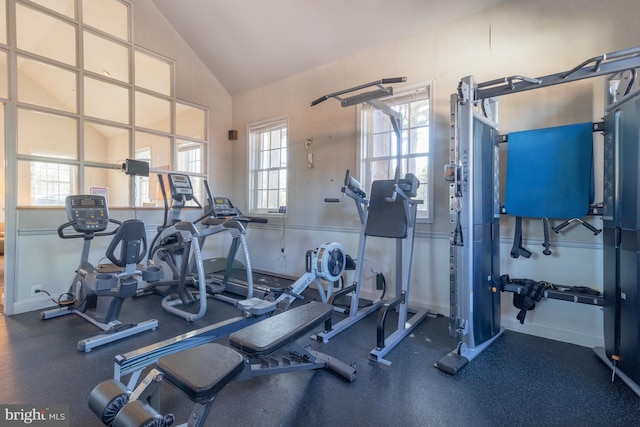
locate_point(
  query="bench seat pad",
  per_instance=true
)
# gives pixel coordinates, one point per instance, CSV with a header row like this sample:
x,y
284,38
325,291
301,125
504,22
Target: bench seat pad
x,y
275,332
200,372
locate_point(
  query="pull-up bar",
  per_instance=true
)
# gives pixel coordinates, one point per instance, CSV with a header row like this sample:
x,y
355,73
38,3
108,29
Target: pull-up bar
x,y
609,63
372,98
363,97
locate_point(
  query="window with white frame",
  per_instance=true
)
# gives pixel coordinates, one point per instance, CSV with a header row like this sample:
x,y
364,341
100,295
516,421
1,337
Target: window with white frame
x,y
51,183
378,142
268,166
86,47
190,156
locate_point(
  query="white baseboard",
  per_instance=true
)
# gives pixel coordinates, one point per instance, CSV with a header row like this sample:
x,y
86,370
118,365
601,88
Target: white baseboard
x,y
559,334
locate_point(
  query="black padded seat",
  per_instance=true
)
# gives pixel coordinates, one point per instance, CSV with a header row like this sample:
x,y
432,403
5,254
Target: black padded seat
x,y
201,372
385,219
275,332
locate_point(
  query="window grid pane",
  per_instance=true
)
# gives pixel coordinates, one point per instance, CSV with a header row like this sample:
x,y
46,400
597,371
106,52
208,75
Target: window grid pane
x,y
51,183
116,110
190,157
65,7
110,16
53,136
105,57
380,145
190,121
153,112
57,90
45,35
152,73
102,136
269,160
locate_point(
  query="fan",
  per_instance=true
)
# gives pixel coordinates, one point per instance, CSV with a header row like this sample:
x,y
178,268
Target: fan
x,y
331,261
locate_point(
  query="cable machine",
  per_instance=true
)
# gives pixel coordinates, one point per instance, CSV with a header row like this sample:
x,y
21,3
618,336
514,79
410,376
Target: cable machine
x,y
473,175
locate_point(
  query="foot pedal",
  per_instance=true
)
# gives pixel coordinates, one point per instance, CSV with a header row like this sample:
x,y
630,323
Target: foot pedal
x,y
256,306
452,363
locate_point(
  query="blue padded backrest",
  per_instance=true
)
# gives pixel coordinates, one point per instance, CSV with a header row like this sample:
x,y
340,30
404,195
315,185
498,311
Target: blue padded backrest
x,y
385,219
550,172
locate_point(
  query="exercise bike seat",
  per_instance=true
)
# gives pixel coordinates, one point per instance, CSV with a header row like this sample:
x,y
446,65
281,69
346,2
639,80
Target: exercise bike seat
x,y
201,372
275,332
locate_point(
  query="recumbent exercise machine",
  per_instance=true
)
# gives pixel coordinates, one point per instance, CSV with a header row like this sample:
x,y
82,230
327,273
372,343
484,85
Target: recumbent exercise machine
x,y
97,294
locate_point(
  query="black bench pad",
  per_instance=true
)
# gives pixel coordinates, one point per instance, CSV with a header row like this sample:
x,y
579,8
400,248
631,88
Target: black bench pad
x,y
271,334
201,372
385,219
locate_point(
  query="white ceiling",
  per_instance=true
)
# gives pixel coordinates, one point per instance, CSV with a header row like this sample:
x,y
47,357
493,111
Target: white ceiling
x,y
250,43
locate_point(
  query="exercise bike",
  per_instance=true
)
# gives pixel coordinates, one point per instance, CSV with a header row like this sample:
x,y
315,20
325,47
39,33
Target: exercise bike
x,y
97,294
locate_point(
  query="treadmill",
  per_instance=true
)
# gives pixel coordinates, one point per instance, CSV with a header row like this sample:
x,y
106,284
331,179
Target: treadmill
x,y
230,273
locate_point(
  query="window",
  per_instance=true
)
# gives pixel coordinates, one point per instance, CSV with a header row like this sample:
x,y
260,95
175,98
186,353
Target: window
x,y
51,183
268,166
190,156
87,99
378,142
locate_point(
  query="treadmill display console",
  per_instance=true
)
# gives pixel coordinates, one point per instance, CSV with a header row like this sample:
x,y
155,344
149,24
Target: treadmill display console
x,y
223,208
88,211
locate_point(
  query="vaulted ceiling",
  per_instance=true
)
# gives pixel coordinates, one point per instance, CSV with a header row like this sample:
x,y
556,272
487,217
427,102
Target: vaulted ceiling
x,y
250,43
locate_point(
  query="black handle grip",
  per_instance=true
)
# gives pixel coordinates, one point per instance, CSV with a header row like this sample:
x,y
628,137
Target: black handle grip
x,y
87,234
332,200
258,219
319,100
366,85
595,231
557,228
61,230
394,80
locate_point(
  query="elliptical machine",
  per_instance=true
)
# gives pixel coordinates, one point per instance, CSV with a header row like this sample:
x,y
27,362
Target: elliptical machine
x,y
178,245
97,294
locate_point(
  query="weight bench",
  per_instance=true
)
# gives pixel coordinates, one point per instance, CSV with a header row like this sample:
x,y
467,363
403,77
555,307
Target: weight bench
x,y
201,372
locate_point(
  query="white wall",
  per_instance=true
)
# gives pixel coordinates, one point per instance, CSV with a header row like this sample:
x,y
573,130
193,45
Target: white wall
x,y
517,37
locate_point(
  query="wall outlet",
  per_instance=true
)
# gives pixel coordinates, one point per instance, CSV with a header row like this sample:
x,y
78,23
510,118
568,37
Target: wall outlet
x,y
35,290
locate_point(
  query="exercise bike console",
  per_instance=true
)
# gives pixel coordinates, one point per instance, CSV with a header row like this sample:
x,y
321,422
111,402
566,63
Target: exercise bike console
x,y
88,215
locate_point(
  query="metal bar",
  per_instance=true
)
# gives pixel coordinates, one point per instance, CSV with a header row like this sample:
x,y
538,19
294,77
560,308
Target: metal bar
x,y
609,63
362,86
559,294
139,359
366,96
382,318
597,127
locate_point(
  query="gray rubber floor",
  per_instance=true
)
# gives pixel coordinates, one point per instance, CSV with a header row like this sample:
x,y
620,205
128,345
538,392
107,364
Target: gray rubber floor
x,y
521,380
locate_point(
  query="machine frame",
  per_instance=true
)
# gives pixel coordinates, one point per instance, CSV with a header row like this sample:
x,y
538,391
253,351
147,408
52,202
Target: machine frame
x,y
474,210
